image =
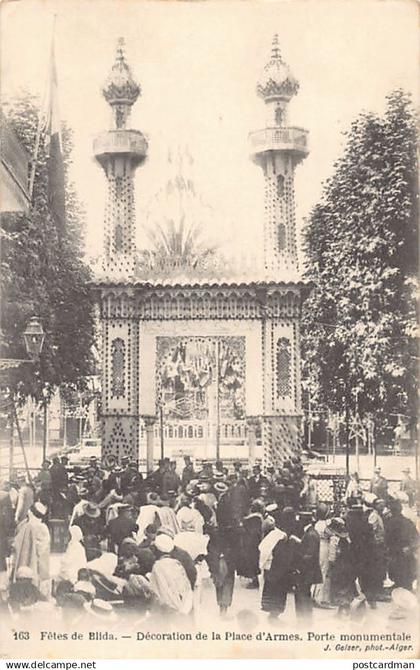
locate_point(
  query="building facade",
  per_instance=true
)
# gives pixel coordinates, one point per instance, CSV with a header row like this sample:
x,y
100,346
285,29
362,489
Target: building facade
x,y
14,168
201,362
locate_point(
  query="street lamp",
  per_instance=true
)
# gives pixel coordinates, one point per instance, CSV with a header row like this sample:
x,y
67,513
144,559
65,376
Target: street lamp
x,y
34,337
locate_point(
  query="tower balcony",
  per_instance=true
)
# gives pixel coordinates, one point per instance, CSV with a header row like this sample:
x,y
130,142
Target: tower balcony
x,y
290,140
122,142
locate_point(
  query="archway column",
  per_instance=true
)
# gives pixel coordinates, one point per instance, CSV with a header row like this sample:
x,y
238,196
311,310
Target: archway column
x,y
252,423
149,422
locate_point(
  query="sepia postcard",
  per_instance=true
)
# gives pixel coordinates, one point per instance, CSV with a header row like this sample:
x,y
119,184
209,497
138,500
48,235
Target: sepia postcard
x,y
208,330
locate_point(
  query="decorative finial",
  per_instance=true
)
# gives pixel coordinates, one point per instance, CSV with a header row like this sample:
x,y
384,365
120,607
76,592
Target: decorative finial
x,y
275,49
121,90
276,82
120,55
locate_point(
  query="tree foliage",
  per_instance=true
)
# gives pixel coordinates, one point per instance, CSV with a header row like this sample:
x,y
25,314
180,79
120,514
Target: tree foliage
x,y
43,274
362,256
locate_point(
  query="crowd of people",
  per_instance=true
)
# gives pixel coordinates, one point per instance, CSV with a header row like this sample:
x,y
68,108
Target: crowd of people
x,y
149,546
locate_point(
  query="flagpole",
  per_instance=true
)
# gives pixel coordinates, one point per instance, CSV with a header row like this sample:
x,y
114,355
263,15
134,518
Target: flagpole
x,y
40,117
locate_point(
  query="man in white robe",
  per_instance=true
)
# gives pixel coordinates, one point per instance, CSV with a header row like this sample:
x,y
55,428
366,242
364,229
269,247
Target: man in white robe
x,y
32,548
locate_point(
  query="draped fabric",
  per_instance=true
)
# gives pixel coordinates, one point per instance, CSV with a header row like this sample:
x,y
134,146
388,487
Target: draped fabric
x,y
190,519
169,582
75,557
138,587
267,545
279,553
195,544
32,549
167,519
148,514
322,592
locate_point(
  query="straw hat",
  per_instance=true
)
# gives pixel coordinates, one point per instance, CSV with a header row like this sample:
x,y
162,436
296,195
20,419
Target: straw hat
x,y
92,510
272,507
219,476
369,498
102,610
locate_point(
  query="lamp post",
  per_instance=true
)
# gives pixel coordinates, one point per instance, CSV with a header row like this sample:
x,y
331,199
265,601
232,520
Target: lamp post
x,y
33,337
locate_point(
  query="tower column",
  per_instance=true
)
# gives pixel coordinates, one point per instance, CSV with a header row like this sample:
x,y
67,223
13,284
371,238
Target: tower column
x,y
120,151
120,356
278,149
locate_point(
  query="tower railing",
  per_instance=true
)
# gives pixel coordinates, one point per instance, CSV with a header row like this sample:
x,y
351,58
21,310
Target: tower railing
x,y
269,139
120,141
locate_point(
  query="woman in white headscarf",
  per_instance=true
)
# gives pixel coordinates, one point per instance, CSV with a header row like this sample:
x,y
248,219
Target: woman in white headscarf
x,y
75,557
195,544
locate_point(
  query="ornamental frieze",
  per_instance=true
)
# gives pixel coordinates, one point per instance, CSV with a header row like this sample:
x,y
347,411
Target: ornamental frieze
x,y
191,303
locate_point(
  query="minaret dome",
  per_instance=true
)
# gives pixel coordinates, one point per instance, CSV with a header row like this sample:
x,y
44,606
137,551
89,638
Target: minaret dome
x,y
120,89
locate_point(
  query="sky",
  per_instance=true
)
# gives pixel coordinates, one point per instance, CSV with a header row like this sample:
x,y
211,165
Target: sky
x,y
198,64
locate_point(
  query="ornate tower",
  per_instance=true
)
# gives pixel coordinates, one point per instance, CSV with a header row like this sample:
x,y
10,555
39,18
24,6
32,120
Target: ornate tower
x,y
119,151
278,148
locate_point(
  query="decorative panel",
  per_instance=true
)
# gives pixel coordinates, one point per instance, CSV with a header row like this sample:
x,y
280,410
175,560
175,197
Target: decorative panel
x,y
241,354
199,377
117,368
283,367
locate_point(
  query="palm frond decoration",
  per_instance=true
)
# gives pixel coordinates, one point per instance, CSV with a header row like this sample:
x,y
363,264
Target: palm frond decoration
x,y
176,224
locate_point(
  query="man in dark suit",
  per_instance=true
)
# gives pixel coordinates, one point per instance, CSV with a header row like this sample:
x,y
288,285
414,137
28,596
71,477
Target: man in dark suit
x,y
309,571
121,527
256,482
188,472
131,479
59,476
379,485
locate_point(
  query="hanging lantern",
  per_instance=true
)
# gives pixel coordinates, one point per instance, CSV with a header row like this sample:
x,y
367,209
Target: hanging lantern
x,y
34,337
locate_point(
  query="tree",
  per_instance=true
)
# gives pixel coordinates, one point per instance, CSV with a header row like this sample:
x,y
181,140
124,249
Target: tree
x,y
361,244
43,273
